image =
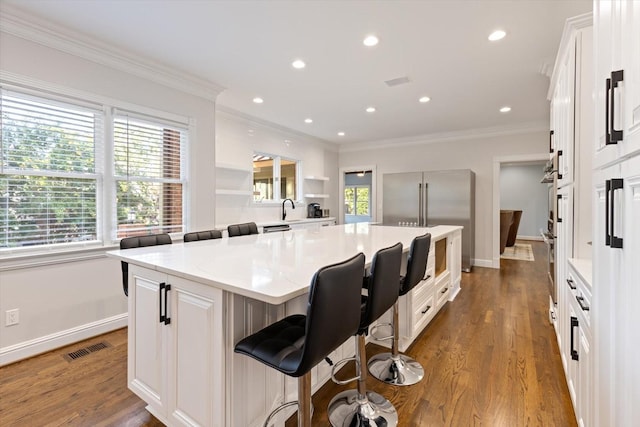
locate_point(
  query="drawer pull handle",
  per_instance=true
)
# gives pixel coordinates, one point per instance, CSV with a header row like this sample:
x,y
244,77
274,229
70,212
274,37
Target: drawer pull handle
x,y
426,309
571,284
427,277
574,324
582,304
444,291
162,315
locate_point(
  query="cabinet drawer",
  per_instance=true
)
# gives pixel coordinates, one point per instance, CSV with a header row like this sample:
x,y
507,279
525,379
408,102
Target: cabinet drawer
x,y
423,313
442,291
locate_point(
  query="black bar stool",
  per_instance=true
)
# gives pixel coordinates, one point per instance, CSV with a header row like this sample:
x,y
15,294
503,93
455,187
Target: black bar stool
x,y
139,242
297,343
362,408
395,368
194,236
242,229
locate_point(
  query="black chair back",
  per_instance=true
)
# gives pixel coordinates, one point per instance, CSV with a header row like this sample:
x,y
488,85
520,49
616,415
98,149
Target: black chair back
x,y
202,235
242,229
139,242
333,310
383,284
416,263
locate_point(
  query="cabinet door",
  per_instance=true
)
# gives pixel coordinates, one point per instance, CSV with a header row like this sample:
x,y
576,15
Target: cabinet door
x,y
607,58
584,389
147,339
630,88
628,294
606,274
563,134
195,356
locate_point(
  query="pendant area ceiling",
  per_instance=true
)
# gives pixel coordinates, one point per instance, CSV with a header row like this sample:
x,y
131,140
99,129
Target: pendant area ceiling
x,y
438,49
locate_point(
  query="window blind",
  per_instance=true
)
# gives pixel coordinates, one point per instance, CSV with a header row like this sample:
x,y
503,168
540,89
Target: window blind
x,y
149,175
48,178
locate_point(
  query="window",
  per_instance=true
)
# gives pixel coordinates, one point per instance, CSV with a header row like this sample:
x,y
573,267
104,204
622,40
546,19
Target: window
x,y
149,185
357,200
274,178
59,183
49,182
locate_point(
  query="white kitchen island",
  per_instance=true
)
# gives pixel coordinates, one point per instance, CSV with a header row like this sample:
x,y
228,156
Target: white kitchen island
x,y
190,303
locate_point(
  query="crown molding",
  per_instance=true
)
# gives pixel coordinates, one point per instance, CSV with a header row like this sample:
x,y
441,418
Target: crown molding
x,y
23,25
255,121
572,25
465,135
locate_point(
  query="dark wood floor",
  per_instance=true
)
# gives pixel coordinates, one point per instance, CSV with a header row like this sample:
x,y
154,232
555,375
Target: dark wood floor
x,y
490,359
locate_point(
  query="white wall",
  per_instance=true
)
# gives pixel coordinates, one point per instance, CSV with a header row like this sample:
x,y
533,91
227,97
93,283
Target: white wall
x,y
468,151
61,302
520,189
238,137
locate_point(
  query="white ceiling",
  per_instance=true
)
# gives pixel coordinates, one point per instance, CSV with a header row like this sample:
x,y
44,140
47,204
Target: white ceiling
x,y
441,46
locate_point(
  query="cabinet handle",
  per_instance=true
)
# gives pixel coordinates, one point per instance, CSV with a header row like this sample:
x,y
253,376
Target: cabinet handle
x,y
444,291
559,169
162,287
571,284
582,304
559,197
607,191
426,309
427,277
607,134
167,319
616,184
616,77
574,324
550,141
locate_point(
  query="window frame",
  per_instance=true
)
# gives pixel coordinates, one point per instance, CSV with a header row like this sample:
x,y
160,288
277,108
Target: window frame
x,y
104,167
355,199
277,176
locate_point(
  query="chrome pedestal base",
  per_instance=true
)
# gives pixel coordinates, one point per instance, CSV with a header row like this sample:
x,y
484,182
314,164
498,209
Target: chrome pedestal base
x,y
398,370
346,410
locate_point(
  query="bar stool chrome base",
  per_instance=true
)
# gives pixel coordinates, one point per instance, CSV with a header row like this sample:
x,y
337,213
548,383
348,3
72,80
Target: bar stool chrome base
x,y
346,410
395,370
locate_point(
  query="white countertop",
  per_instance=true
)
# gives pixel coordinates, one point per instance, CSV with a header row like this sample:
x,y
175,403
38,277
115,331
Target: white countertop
x,y
273,267
584,269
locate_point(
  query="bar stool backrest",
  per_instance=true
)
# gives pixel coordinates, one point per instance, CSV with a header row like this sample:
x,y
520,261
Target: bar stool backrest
x,y
383,284
333,310
242,229
202,235
416,263
139,242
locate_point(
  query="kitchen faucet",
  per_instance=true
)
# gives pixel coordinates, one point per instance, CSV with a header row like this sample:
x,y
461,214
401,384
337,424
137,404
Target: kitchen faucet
x,y
284,212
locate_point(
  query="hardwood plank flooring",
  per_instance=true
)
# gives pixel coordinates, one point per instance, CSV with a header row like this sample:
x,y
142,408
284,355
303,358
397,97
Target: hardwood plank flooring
x,y
490,359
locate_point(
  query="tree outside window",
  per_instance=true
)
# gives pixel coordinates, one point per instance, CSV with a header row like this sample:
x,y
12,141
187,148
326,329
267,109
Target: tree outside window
x,y
357,200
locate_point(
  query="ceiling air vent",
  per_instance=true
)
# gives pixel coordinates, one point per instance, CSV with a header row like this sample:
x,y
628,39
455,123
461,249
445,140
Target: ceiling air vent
x,y
86,351
398,81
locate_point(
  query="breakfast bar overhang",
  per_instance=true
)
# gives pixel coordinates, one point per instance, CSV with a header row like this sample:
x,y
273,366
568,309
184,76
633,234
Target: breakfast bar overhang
x,y
190,303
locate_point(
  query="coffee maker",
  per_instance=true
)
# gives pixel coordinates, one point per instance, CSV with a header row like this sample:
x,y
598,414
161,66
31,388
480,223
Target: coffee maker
x,y
314,210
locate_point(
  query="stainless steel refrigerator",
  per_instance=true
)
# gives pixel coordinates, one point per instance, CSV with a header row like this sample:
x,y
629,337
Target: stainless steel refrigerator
x,y
419,199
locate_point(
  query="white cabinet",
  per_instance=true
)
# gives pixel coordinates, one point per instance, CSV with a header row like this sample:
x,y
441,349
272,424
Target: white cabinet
x,y
312,224
617,209
579,360
175,348
617,84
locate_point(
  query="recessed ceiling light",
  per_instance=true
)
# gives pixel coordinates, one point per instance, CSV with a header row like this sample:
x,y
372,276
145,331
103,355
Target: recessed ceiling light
x,y
287,142
424,99
298,63
258,100
370,110
340,133
308,121
370,41
497,35
505,109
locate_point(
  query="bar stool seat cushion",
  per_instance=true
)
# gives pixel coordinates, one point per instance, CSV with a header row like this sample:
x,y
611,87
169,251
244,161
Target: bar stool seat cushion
x,y
278,345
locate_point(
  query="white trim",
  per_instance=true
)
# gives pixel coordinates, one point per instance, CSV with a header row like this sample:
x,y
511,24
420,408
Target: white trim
x,y
497,161
487,263
469,134
50,342
28,27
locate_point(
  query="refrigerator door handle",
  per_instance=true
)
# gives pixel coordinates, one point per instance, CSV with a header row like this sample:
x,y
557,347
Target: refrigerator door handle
x,y
425,208
419,203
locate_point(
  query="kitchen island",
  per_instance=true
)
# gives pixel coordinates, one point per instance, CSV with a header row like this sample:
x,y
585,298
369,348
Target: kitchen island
x,y
190,303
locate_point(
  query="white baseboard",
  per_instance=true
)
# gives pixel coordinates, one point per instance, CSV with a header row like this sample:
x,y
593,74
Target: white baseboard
x,y
36,346
538,238
483,263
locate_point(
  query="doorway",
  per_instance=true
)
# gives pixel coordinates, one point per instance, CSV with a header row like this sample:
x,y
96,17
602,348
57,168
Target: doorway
x,y
357,195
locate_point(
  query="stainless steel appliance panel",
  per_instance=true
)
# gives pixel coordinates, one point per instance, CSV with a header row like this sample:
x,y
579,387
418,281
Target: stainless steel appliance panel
x,y
401,198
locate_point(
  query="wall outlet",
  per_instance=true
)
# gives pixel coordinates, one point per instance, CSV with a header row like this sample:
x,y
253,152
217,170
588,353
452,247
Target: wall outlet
x,y
12,317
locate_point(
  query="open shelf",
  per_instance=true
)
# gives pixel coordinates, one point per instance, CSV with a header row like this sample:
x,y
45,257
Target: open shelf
x,y
233,167
228,192
317,178
316,196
